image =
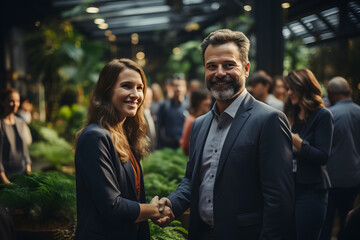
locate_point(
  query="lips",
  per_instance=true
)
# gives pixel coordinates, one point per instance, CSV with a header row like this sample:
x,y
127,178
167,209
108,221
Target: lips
x,y
132,104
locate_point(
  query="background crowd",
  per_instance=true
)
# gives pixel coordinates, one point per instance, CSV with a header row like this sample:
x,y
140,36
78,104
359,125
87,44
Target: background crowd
x,y
326,147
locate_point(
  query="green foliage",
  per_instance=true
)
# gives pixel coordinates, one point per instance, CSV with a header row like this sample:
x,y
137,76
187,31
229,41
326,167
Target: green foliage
x,y
158,185
167,162
297,55
70,120
163,170
41,196
173,232
49,147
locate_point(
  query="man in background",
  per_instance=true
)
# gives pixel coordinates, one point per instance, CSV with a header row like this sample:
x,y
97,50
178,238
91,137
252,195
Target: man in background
x,y
344,162
260,86
172,114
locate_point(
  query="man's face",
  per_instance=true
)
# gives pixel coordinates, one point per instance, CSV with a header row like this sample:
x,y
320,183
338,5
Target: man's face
x,y
258,90
179,86
224,73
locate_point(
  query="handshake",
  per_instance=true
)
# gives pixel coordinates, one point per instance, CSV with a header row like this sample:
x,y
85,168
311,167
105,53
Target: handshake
x,y
164,214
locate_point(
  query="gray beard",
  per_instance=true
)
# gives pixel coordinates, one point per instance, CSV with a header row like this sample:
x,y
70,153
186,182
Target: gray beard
x,y
223,94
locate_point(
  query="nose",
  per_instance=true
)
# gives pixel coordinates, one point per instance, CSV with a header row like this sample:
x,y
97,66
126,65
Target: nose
x,y
135,94
220,72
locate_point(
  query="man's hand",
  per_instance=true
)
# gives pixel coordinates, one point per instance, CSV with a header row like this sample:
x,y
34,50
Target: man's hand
x,y
166,215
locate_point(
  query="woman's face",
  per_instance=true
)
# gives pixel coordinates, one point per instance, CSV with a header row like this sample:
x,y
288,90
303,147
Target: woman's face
x,y
293,96
205,105
128,93
12,103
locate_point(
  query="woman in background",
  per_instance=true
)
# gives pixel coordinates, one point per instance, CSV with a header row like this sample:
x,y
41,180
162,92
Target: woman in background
x,y
14,153
312,130
200,102
109,180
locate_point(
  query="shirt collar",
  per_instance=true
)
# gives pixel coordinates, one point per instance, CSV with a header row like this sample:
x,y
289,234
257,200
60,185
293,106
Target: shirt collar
x,y
234,106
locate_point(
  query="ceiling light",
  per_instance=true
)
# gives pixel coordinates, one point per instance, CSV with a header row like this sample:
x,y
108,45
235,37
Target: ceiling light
x,y
247,8
108,33
134,38
285,5
140,55
103,26
92,10
99,21
112,38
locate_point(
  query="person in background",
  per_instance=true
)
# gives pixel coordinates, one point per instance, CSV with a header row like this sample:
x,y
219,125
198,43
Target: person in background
x,y
238,181
158,98
14,153
151,130
25,111
312,132
110,190
168,89
344,162
279,90
260,86
172,114
200,102
193,85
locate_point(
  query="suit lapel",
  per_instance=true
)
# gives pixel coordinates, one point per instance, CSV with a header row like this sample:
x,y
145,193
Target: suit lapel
x,y
130,172
238,122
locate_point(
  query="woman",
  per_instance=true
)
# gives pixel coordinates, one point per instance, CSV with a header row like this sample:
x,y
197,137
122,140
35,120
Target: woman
x,y
14,154
312,131
109,181
200,102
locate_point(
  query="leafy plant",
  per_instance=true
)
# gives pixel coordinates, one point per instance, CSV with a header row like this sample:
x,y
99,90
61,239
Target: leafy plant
x,y
174,231
41,196
49,147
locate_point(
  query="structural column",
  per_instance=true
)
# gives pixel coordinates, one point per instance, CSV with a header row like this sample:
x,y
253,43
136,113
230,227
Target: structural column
x,y
269,39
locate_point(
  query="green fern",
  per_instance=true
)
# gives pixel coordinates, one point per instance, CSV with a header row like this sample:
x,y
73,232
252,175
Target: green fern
x,y
174,231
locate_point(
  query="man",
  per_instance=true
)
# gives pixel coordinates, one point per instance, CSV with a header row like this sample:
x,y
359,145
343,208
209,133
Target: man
x,y
260,86
238,180
344,162
172,114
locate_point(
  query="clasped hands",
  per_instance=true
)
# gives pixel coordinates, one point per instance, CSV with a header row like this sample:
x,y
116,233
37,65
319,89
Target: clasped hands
x,y
165,215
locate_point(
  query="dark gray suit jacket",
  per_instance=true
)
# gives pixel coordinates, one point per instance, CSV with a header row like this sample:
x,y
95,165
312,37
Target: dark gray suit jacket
x,y
107,204
254,186
344,161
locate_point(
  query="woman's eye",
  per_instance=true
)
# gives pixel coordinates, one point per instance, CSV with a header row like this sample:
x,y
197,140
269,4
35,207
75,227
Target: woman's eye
x,y
140,88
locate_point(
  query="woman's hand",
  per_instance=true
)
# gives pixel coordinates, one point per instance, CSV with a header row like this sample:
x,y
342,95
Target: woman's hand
x,y
3,177
297,141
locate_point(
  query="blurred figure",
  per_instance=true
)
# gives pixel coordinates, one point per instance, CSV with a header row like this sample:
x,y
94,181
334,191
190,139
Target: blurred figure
x,y
260,86
279,90
25,111
312,131
151,131
193,85
14,154
158,98
168,89
200,102
352,230
172,114
344,161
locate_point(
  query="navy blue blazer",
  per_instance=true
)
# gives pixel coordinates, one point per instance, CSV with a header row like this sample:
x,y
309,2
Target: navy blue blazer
x,y
317,134
107,204
254,186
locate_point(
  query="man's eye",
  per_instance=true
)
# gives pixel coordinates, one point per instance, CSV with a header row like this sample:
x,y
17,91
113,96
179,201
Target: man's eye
x,y
211,66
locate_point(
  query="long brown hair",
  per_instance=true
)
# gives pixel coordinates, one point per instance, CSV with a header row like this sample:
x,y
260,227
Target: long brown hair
x,y
102,111
305,85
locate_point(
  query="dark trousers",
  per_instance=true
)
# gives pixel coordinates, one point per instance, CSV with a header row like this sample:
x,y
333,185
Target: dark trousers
x,y
341,200
310,211
205,232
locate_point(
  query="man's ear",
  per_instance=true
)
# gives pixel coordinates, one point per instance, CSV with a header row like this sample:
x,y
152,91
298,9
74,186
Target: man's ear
x,y
247,70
